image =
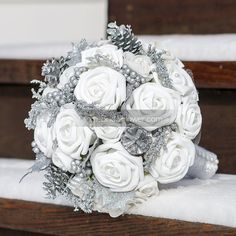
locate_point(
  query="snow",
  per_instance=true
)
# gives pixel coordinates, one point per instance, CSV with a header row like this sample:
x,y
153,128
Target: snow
x,y
207,201
217,47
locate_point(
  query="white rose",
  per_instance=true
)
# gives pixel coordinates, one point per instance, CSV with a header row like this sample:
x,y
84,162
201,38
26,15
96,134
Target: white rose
x,y
152,106
43,135
181,80
148,187
103,86
140,63
65,77
174,161
115,168
189,118
109,132
73,136
62,160
114,54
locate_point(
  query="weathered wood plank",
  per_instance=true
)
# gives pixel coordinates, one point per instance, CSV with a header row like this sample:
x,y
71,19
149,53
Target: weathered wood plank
x,y
171,16
19,71
59,220
213,74
206,74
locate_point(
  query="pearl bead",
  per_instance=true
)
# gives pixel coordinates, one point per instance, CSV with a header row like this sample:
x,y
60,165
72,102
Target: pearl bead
x,y
57,98
76,69
125,66
49,95
74,82
127,71
81,69
35,150
33,144
71,85
77,73
138,78
55,93
60,93
128,79
136,84
62,102
143,80
67,86
132,81
133,74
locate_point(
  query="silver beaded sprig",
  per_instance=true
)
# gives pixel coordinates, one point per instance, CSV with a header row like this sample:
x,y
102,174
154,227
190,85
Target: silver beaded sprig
x,y
132,77
80,169
65,95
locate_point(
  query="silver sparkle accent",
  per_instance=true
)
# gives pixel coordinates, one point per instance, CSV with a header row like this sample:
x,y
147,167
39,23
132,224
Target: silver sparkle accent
x,y
136,140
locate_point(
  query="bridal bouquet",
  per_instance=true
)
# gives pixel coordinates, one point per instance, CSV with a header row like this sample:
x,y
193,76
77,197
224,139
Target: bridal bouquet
x,y
113,119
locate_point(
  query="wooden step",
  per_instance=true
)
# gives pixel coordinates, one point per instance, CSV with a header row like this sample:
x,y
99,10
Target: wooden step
x,y
60,220
221,75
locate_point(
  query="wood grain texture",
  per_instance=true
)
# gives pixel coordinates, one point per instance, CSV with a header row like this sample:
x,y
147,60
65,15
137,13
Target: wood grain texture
x,y
206,74
219,126
213,74
59,220
10,232
171,16
15,139
19,71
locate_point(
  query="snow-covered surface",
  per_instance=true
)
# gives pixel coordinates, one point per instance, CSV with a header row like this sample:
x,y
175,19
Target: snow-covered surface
x,y
211,201
218,47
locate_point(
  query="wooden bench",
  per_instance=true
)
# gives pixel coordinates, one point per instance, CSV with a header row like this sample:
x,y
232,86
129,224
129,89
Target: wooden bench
x,y
216,82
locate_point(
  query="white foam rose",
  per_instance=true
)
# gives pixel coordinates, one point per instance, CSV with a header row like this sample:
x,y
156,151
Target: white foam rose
x,y
103,86
73,136
147,188
152,106
43,135
109,131
174,161
115,168
108,50
181,80
62,160
140,63
189,118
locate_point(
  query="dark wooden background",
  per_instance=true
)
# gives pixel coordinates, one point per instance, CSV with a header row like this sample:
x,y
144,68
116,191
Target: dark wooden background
x,y
216,82
173,16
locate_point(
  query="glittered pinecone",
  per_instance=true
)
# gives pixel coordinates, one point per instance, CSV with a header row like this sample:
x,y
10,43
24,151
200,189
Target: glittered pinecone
x,y
57,180
123,38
